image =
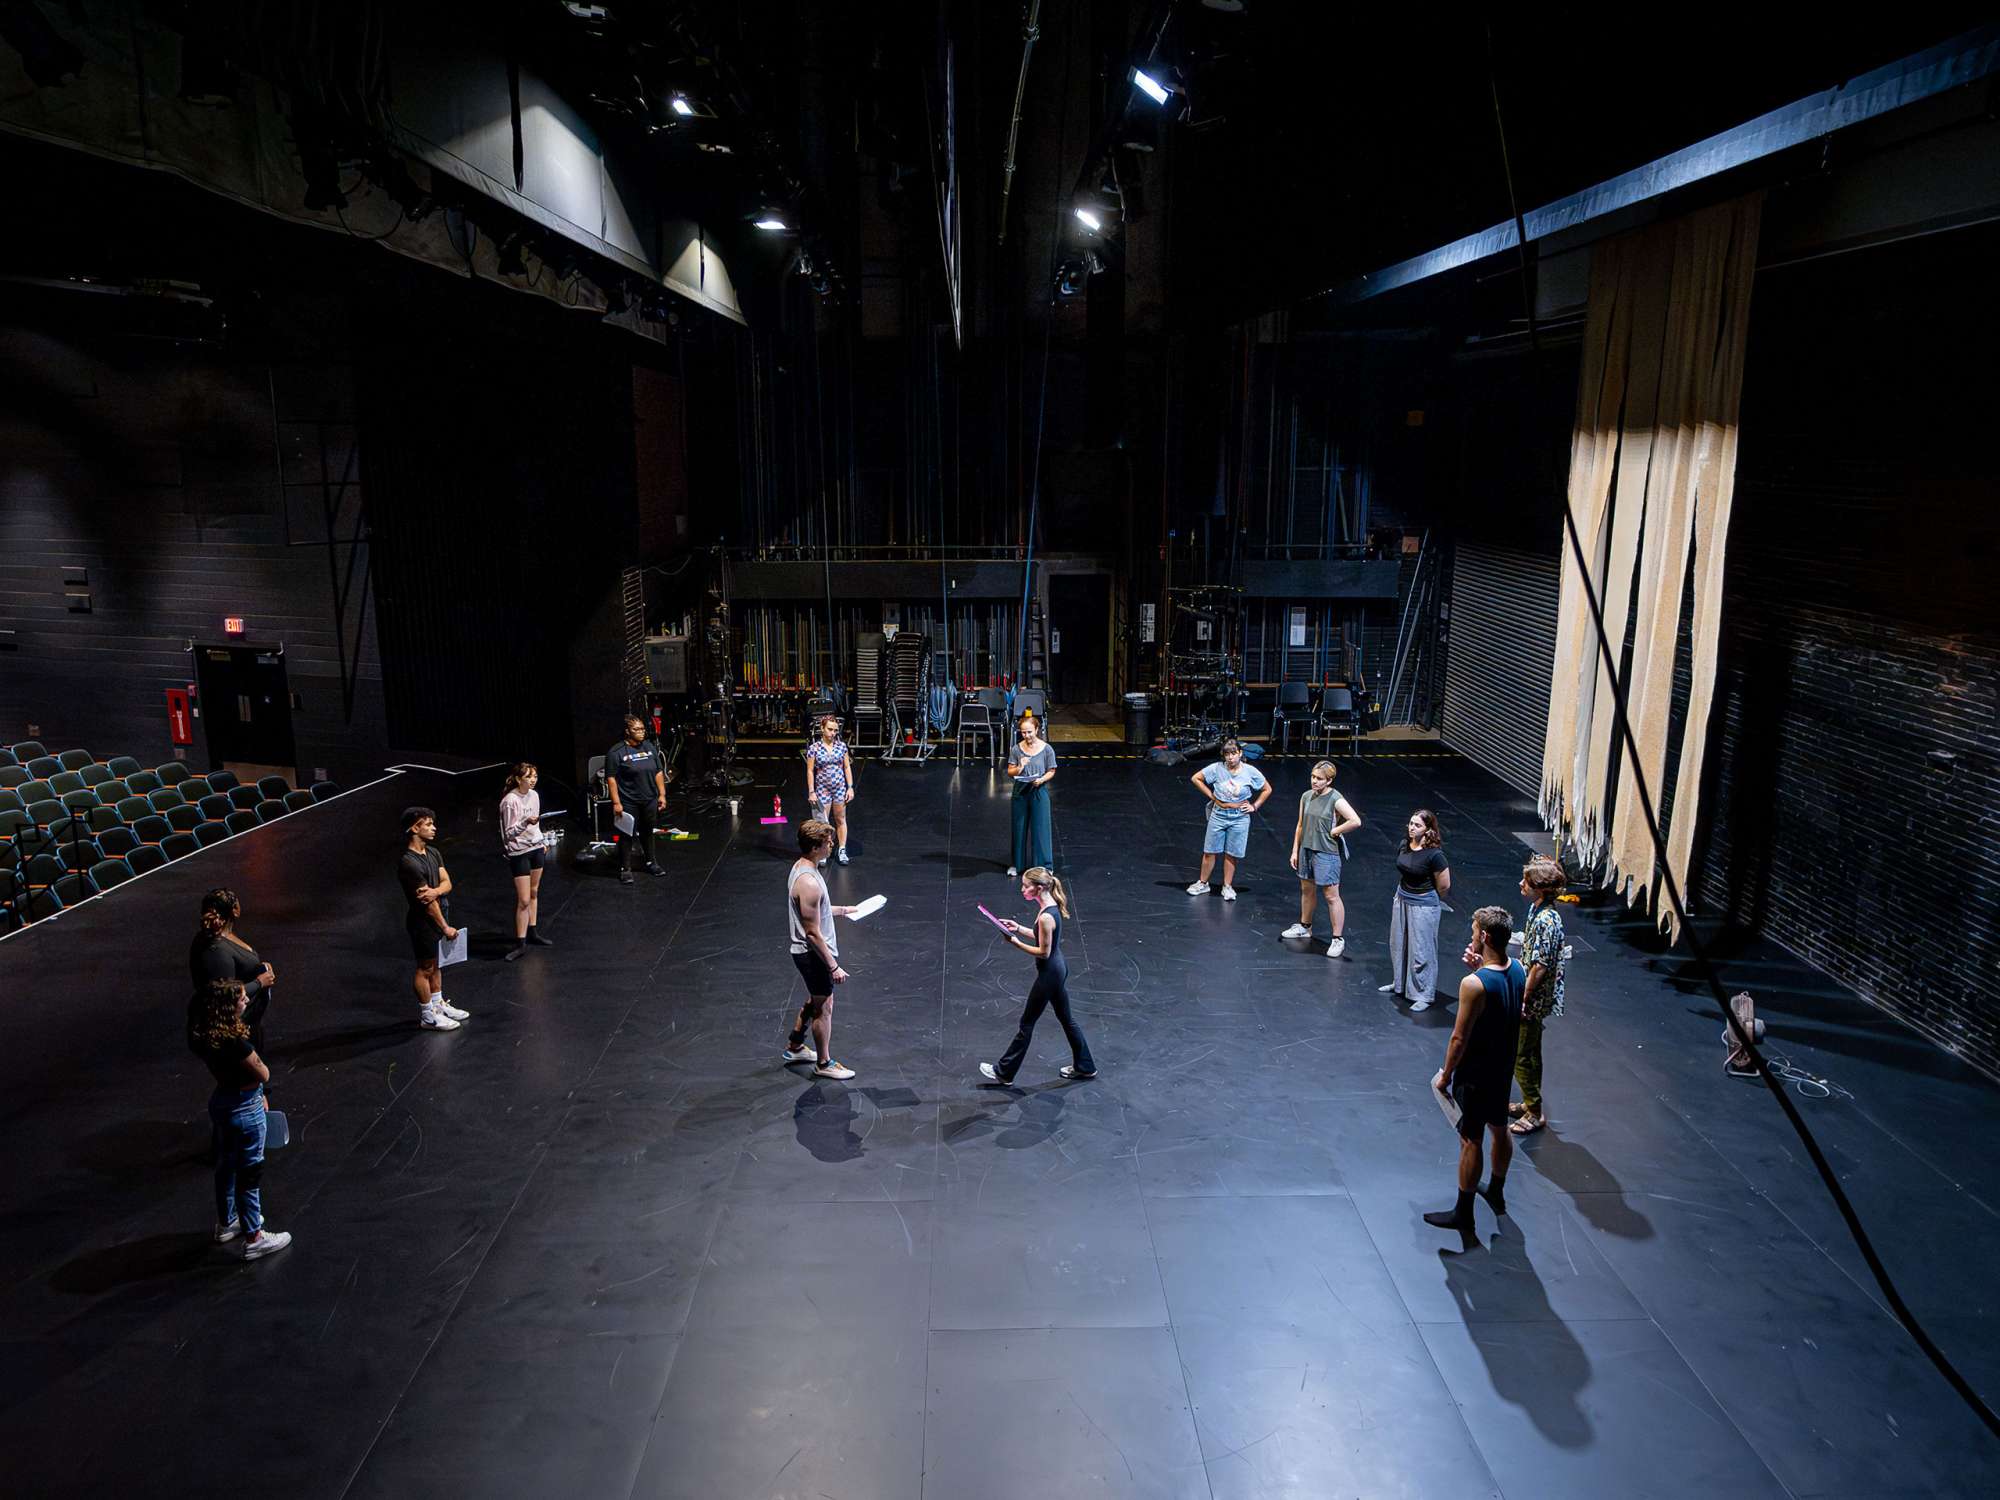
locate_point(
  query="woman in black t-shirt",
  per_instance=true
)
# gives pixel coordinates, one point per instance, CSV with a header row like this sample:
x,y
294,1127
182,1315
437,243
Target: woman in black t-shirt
x,y
1423,877
219,953
219,1036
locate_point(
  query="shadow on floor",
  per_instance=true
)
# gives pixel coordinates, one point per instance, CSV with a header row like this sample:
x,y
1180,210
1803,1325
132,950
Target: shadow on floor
x,y
98,1271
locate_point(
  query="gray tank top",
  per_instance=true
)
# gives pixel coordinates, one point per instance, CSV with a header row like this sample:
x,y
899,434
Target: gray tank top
x,y
799,943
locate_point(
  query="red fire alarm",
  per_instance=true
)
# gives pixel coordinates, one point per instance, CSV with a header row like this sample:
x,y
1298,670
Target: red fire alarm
x,y
232,624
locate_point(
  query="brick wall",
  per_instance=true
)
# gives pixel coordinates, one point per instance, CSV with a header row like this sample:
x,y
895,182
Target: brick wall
x,y
1855,804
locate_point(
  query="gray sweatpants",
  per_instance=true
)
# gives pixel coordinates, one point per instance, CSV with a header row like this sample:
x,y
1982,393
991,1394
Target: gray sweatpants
x,y
1413,943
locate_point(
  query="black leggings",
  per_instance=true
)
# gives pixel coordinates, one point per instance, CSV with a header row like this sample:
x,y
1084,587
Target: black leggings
x,y
1051,992
639,842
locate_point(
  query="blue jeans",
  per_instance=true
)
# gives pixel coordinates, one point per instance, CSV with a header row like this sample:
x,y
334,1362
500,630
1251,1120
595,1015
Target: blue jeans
x,y
238,1116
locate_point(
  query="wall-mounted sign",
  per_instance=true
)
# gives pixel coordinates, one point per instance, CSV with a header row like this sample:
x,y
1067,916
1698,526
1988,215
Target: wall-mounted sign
x,y
180,722
232,624
1298,635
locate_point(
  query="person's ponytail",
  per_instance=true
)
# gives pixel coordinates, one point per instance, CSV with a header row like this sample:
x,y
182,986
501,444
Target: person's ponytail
x,y
1043,879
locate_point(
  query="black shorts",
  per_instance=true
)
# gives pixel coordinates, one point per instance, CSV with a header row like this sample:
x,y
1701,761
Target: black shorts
x,y
1483,1105
424,938
813,970
521,864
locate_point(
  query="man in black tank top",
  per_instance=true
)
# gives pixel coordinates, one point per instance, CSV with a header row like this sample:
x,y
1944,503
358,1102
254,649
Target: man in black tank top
x,y
1478,1066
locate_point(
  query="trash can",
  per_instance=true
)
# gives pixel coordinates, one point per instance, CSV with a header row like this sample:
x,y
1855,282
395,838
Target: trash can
x,y
1139,719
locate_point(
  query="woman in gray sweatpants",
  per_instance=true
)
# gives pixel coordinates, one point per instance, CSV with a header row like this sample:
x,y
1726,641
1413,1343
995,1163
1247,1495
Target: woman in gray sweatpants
x,y
1423,879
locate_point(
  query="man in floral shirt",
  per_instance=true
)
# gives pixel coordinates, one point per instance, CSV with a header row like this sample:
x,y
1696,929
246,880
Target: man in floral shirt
x,y
1543,954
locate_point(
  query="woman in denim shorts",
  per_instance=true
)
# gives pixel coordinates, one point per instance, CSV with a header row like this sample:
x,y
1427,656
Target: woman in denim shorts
x,y
1320,840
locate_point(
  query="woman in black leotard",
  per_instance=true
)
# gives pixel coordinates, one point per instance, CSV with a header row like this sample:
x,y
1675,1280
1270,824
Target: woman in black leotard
x,y
1043,890
218,953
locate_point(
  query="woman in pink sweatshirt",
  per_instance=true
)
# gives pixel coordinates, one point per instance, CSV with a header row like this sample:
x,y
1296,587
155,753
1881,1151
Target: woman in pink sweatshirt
x,y
521,842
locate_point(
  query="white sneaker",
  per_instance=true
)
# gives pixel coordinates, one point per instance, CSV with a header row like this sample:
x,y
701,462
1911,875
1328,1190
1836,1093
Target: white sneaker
x,y
832,1069
1337,947
1229,893
1297,929
265,1242
224,1233
1012,871
990,1073
1417,1005
842,856
1199,888
433,1018
452,1010
1387,989
804,1052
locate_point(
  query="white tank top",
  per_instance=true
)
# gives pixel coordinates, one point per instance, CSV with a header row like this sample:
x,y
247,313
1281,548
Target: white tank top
x,y
799,943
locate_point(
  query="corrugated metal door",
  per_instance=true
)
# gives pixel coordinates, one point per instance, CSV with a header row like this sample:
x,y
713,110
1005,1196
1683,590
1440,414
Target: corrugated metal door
x,y
1502,652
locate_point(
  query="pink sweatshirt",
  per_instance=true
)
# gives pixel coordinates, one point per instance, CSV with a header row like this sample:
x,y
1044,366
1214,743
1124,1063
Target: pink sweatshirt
x,y
517,834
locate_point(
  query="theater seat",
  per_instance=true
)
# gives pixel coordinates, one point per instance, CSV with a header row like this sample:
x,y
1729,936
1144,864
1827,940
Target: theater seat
x,y
215,807
146,857
142,781
245,797
102,817
75,760
270,810
79,856
273,787
165,798
11,920
298,799
43,766
42,871
124,765
107,873
111,791
44,903
94,774
8,757
47,813
173,771
27,750
10,800
210,833
132,809
178,845
193,787
117,842
323,790
65,782
73,890
13,775
35,791
12,821
152,828
183,817
222,781
242,820
80,800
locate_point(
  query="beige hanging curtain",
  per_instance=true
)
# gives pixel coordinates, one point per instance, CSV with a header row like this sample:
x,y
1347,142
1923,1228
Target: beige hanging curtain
x,y
1652,471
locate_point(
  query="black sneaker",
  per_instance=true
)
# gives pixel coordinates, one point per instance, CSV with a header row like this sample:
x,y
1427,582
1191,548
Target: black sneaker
x,y
516,951
624,877
536,940
653,869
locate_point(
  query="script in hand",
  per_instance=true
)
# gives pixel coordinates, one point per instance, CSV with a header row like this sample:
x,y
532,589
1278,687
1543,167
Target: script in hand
x,y
867,908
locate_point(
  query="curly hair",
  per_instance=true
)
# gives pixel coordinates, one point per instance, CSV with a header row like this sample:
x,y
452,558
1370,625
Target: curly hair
x,y
215,1019
219,908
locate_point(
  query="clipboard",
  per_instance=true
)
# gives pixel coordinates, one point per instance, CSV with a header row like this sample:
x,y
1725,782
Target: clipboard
x,y
994,920
867,908
452,950
277,1129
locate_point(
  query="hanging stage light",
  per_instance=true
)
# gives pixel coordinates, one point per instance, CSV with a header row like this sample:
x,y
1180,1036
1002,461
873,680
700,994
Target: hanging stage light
x,y
772,223
679,105
1089,220
1150,86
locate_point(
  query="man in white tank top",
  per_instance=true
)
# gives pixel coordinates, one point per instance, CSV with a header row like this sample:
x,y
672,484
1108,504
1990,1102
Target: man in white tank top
x,y
809,913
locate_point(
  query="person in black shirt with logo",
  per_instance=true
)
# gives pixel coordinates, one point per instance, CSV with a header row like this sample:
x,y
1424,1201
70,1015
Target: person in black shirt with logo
x,y
427,890
635,773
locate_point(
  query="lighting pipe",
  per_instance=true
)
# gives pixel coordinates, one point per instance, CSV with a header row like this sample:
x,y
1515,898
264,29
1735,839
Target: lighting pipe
x,y
1031,30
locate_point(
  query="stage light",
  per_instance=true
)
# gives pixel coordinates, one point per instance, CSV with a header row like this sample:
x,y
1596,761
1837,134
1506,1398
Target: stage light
x,y
771,222
1150,86
681,107
1089,220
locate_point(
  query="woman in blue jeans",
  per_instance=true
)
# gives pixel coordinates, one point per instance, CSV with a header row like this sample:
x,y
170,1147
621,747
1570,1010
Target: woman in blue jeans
x,y
219,1036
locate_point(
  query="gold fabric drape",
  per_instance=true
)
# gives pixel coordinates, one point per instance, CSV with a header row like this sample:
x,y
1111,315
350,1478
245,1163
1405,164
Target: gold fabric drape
x,y
1652,473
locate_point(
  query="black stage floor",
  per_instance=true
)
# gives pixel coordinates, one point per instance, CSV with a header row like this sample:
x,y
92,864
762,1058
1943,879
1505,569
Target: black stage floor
x,y
601,1242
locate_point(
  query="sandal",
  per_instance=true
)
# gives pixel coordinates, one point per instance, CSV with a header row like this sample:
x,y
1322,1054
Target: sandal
x,y
1528,1124
1516,1110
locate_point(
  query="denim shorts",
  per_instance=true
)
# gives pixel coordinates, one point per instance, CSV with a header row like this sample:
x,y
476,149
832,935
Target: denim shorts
x,y
1319,866
1230,836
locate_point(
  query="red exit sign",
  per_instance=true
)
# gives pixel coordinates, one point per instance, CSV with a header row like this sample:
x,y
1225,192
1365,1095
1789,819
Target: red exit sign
x,y
232,624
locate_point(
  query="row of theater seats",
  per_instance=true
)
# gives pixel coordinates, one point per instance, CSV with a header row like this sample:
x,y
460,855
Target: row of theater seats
x,y
72,826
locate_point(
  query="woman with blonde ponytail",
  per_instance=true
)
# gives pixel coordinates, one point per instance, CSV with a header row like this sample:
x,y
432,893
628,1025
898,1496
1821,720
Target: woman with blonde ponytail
x,y
1041,889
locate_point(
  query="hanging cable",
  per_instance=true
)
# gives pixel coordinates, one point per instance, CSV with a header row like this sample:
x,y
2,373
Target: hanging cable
x,y
1702,964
